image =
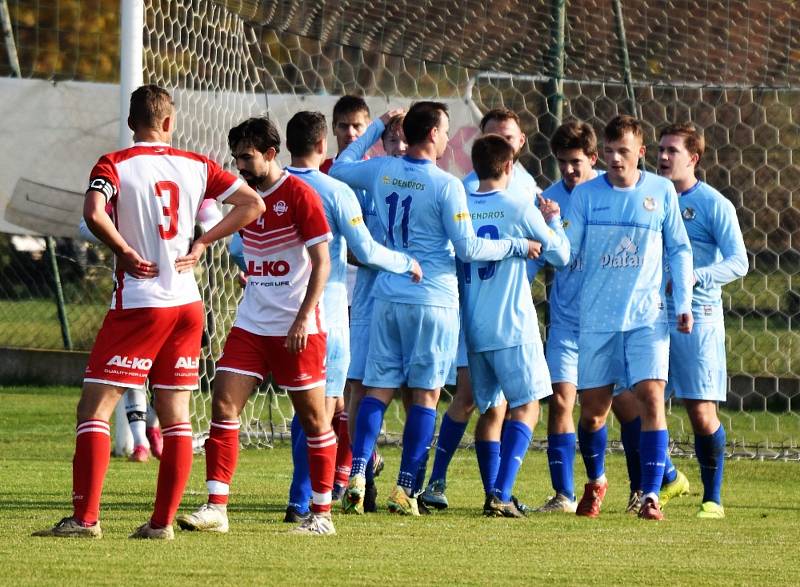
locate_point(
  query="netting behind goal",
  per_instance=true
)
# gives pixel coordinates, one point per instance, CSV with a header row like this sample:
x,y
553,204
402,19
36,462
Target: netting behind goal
x,y
729,66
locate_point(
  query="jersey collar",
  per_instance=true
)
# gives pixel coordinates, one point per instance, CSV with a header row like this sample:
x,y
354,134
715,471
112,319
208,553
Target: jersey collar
x,y
691,189
278,184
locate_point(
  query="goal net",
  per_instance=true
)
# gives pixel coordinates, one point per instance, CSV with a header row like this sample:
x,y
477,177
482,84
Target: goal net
x,y
729,66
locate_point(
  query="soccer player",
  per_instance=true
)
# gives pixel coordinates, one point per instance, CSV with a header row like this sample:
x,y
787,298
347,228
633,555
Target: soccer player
x,y
621,224
414,331
306,140
697,371
500,325
156,318
506,123
350,119
574,144
279,328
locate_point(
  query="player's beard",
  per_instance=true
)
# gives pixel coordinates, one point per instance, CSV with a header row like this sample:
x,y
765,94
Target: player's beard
x,y
253,180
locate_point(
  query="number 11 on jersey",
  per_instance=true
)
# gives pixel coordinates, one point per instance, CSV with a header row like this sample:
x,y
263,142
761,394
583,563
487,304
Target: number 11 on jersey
x,y
392,200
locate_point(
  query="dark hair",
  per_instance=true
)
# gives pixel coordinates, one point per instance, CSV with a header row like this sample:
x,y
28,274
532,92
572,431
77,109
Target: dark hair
x,y
574,134
500,115
149,106
395,124
259,133
694,142
349,105
420,119
490,153
305,129
619,125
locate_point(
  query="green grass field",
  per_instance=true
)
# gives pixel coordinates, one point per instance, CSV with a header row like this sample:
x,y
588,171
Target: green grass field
x,y
755,545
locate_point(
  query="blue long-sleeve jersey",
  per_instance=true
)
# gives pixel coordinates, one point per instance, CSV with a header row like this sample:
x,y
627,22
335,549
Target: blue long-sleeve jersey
x,y
718,250
496,305
621,235
423,211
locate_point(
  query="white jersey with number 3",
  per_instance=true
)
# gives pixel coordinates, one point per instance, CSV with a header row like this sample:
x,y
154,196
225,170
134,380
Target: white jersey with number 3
x,y
155,193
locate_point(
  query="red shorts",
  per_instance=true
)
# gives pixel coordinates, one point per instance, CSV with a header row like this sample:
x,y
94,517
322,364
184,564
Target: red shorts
x,y
258,356
160,343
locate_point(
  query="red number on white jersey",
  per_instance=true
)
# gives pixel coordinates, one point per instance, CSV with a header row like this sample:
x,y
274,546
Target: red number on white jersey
x,y
169,193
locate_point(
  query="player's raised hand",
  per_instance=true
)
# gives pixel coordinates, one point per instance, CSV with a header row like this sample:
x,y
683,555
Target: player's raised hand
x,y
548,208
534,249
387,116
685,322
416,271
186,262
297,337
133,264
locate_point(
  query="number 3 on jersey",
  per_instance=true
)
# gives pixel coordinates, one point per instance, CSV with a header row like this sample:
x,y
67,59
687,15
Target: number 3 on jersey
x,y
486,231
392,200
169,192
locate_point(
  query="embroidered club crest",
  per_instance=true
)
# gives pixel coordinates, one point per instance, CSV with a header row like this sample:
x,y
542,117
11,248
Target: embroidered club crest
x,y
280,208
689,214
649,204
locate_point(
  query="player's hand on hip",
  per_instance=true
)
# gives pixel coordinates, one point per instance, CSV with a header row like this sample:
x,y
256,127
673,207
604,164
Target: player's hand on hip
x,y
186,262
416,271
548,208
387,116
133,264
534,249
297,338
685,323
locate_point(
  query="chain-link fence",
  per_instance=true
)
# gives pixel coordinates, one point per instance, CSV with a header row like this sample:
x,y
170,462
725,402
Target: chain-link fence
x,y
731,67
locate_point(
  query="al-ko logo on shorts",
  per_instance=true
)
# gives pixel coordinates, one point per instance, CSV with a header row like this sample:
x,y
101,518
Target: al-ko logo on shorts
x,y
130,362
624,255
280,208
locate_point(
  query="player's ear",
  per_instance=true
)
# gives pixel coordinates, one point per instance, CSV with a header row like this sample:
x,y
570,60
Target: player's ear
x,y
642,151
166,124
509,167
593,159
131,125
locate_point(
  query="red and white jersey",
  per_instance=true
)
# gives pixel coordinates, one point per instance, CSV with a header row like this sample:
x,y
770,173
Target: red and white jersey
x,y
155,193
278,265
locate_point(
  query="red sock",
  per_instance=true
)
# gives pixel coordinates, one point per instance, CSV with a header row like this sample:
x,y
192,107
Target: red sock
x,y
344,454
173,472
321,464
89,466
222,452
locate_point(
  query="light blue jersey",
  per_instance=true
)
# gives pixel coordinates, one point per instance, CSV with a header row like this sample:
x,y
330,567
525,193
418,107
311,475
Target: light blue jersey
x,y
361,307
423,211
496,305
719,255
622,234
347,227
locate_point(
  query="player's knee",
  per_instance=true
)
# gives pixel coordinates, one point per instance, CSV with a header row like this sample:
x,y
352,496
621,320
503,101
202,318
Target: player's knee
x,y
592,422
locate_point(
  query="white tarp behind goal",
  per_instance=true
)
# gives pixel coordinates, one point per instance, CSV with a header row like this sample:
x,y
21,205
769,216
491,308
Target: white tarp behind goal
x,y
51,134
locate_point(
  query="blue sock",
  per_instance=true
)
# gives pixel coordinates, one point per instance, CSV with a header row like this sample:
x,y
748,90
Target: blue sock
x,y
670,472
300,489
419,482
488,453
417,438
368,427
514,446
561,459
711,456
450,434
653,449
593,449
630,442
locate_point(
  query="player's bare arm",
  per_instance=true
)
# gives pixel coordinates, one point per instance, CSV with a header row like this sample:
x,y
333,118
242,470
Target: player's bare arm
x,y
247,206
101,225
297,336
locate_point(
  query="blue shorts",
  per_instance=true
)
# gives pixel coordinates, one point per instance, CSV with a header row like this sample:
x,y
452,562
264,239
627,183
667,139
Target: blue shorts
x,y
697,363
461,359
562,355
337,358
411,344
359,345
623,358
519,374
